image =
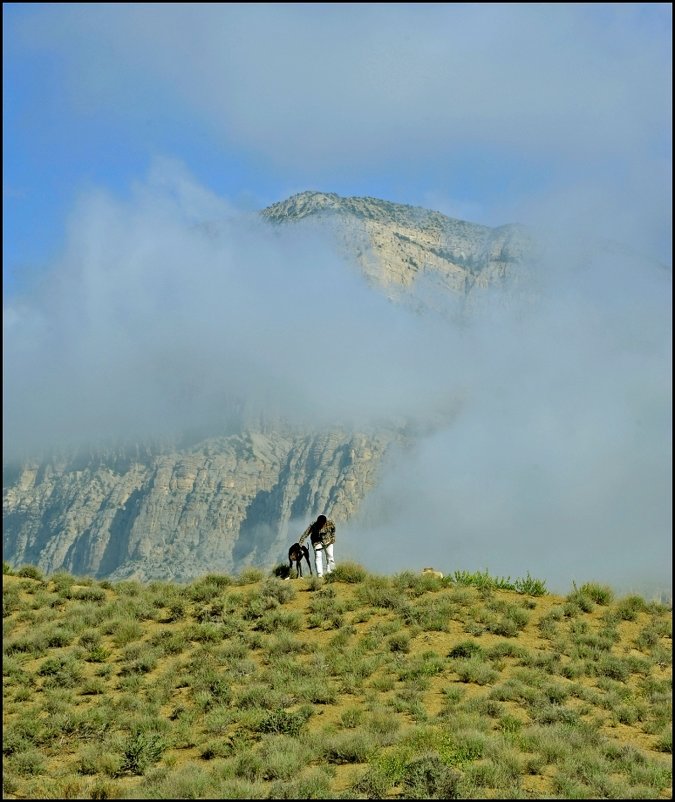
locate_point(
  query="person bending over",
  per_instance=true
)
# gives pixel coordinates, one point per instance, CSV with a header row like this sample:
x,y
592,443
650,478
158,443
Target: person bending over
x,y
322,535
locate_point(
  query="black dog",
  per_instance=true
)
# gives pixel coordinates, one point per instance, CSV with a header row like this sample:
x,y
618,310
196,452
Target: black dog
x,y
295,555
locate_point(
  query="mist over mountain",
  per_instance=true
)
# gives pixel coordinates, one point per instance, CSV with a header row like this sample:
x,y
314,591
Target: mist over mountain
x,y
194,384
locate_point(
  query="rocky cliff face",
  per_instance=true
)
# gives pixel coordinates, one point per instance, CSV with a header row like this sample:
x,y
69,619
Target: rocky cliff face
x,y
176,514
226,502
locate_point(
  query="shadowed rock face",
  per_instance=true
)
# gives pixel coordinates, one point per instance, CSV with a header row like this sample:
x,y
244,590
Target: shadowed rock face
x,y
169,512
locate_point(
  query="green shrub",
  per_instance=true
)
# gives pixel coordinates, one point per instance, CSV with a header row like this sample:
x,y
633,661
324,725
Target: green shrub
x,y
613,667
600,594
431,615
314,783
475,669
351,717
281,591
354,746
530,586
129,588
506,627
140,661
377,591
276,620
97,654
577,598
15,741
99,759
206,632
282,571
384,724
428,777
509,724
141,750
416,584
93,686
628,608
34,643
374,784
58,637
250,766
664,743
60,672
399,642
317,691
123,630
467,648
28,763
427,664
249,576
30,572
548,713
219,580
282,722
11,600
188,781
349,572
91,594
221,747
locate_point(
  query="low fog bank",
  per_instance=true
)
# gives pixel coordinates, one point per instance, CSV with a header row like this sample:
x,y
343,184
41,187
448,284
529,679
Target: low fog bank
x,y
559,460
171,311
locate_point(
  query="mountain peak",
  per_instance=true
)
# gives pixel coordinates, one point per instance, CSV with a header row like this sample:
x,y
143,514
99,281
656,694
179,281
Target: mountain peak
x,y
311,202
301,205
394,243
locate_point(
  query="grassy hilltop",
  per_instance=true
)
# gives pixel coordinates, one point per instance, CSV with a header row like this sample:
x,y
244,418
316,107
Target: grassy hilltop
x,y
352,687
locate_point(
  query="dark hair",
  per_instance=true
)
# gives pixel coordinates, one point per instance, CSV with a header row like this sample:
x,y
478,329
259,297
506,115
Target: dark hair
x,y
318,524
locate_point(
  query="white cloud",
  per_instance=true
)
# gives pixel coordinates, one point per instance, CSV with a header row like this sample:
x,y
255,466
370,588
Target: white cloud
x,y
558,115
557,461
319,84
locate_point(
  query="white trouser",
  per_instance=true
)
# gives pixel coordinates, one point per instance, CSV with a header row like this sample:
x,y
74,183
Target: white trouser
x,y
322,553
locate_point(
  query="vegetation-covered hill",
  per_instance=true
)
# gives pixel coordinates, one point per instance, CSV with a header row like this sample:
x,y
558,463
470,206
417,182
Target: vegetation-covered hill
x,y
352,687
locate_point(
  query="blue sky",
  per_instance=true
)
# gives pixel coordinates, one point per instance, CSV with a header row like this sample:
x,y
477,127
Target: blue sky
x,y
126,126
489,112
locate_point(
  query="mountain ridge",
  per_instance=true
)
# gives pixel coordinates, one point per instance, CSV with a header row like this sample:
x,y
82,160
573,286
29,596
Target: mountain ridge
x,y
396,244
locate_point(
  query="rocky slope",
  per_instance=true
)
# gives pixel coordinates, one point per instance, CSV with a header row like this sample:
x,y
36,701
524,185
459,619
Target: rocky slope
x,y
226,502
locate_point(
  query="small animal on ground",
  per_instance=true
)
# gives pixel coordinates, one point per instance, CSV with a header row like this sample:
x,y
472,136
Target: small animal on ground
x,y
433,572
295,555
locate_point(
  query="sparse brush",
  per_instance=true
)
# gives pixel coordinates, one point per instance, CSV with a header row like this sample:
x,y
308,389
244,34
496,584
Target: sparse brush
x,y
628,607
31,572
353,746
417,584
141,750
580,599
600,594
377,591
474,669
281,591
349,572
249,576
430,615
272,688
467,648
530,586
